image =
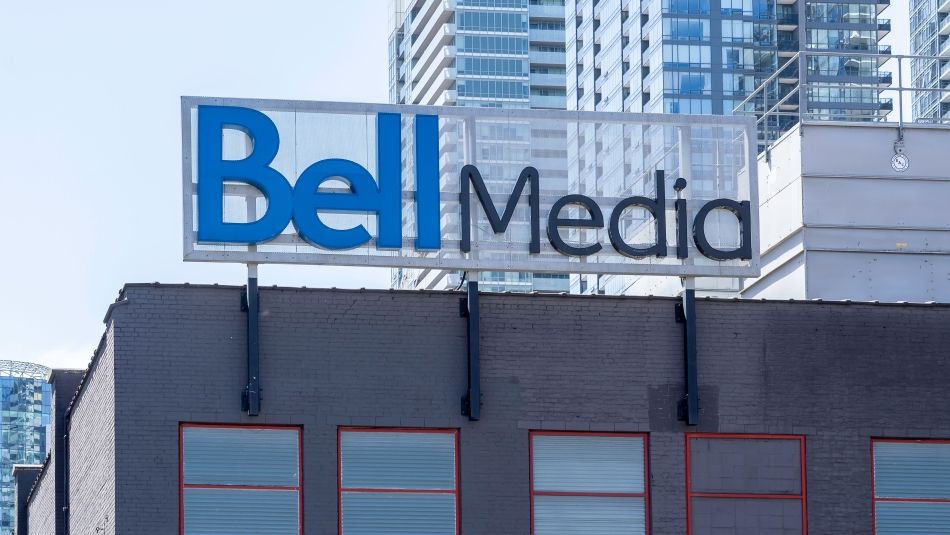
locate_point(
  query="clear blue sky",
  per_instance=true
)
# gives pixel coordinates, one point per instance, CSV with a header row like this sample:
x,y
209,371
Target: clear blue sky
x,y
91,143
90,148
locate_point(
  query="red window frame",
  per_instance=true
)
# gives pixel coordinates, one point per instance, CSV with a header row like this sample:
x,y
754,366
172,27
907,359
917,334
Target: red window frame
x,y
433,431
802,497
181,469
875,499
646,472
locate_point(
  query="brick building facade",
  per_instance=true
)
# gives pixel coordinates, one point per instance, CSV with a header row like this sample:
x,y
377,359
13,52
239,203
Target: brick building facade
x,y
780,382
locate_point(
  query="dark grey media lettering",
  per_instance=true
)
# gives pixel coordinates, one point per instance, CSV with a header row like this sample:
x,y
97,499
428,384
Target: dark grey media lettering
x,y
471,177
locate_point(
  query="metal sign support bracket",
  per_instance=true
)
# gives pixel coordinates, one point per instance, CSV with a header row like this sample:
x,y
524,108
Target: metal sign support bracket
x,y
468,308
688,407
251,398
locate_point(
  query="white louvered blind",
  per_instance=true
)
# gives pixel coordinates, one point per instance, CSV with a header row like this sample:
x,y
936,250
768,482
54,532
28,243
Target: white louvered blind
x,y
911,487
398,482
240,481
588,484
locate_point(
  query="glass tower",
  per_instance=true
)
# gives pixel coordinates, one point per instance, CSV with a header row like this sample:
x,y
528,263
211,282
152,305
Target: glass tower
x,y
24,416
708,56
930,36
485,53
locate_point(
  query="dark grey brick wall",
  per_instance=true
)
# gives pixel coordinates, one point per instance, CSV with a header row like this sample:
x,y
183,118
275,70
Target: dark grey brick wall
x,y
41,508
836,373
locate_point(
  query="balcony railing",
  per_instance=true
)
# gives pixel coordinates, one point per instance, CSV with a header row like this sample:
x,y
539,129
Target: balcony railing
x,y
868,95
787,19
788,45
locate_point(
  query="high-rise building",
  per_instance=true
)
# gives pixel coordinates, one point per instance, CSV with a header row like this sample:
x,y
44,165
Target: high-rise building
x,y
485,53
24,415
706,56
930,36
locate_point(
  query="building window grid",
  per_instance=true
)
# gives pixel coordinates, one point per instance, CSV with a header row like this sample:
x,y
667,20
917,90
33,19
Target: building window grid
x,y
275,488
646,473
341,489
874,497
802,496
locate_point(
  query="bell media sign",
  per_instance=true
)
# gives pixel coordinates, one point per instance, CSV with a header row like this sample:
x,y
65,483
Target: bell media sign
x,y
468,189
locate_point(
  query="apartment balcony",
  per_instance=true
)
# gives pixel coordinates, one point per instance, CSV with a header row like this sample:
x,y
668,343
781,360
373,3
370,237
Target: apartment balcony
x,y
944,24
546,36
883,28
448,98
553,102
546,58
548,80
425,12
435,31
432,60
787,47
789,76
945,93
787,21
945,70
944,7
945,48
885,79
546,12
790,103
429,93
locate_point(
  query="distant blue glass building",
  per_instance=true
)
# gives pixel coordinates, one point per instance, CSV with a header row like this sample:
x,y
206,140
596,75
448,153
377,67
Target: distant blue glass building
x,y
930,36
24,416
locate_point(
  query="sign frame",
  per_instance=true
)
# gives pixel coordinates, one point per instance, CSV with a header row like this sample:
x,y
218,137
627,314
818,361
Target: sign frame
x,y
540,265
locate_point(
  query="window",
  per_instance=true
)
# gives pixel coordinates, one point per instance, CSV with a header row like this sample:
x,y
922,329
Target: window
x,y
493,44
494,3
487,21
398,481
547,48
686,29
736,8
686,56
588,483
492,67
693,106
691,7
738,484
737,31
911,486
240,480
547,25
492,89
686,83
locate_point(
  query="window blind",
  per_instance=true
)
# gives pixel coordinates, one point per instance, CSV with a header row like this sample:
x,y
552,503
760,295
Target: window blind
x,y
398,482
586,484
911,487
240,480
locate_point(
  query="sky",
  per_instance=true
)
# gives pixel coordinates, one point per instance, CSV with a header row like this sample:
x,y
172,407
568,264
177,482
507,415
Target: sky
x,y
90,142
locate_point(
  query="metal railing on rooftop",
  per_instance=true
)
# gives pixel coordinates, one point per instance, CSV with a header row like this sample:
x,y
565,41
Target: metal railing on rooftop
x,y
843,86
